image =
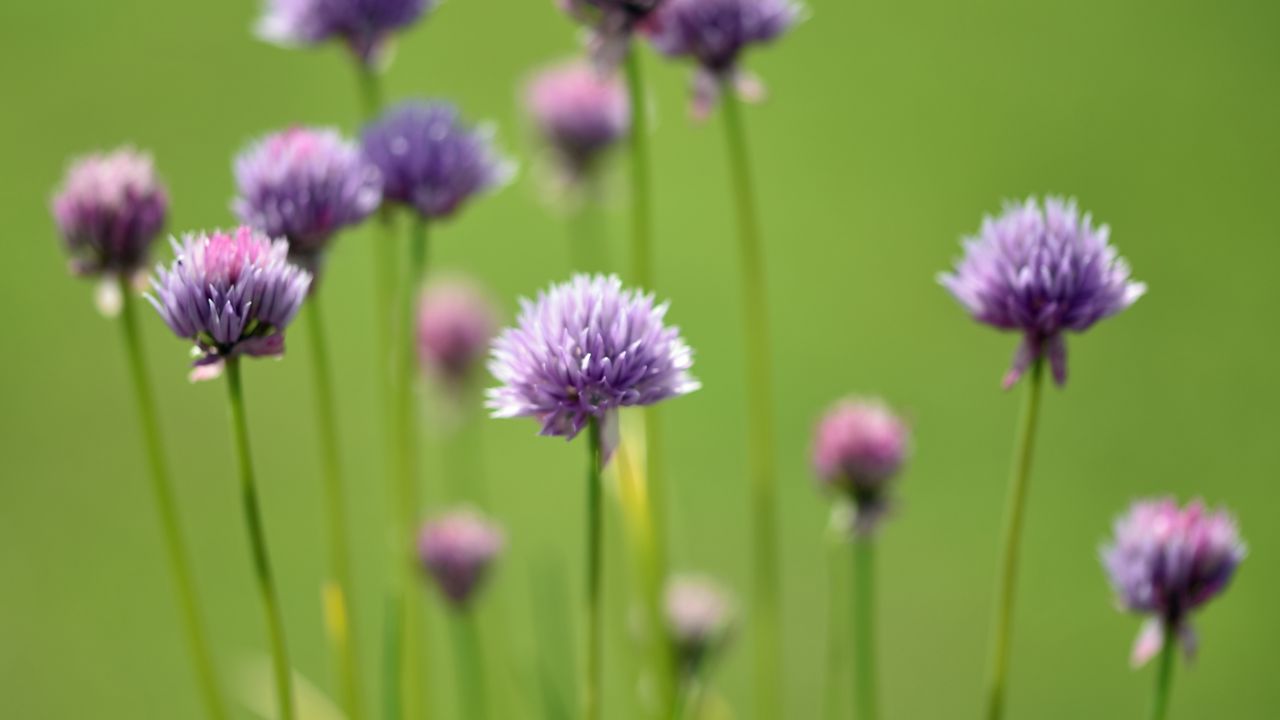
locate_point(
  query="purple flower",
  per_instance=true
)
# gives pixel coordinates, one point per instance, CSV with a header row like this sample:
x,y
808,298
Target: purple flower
x,y
612,24
456,549
1041,272
430,160
579,112
1166,562
364,25
858,447
584,349
304,185
231,294
109,210
456,321
699,617
714,33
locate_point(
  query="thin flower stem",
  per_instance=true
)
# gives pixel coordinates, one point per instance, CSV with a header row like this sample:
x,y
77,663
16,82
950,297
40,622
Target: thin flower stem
x,y
1014,512
371,99
837,628
641,197
337,595
592,686
766,584
1164,678
864,645
588,249
162,488
258,543
473,694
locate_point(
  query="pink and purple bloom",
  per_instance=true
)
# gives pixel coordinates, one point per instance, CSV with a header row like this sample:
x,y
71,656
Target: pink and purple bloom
x,y
584,349
231,293
579,112
363,25
700,619
1167,562
456,321
1042,271
430,160
456,550
304,185
859,446
612,24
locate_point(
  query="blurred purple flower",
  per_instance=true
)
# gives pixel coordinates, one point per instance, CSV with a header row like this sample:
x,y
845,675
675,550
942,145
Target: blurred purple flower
x,y
700,619
859,446
1166,562
304,185
579,113
364,25
430,160
230,293
456,549
612,24
456,321
1041,272
584,349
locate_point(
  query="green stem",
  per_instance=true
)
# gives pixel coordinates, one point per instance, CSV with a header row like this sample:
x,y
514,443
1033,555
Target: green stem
x,y
337,592
641,198
588,247
1014,518
162,488
472,692
592,699
760,436
837,628
370,90
864,645
258,542
1164,678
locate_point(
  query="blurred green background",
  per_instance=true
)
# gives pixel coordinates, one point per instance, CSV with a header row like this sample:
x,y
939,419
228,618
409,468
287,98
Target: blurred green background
x,y
891,128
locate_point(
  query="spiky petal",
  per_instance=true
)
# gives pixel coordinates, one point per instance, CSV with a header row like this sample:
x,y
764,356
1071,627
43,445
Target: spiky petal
x,y
363,25
579,113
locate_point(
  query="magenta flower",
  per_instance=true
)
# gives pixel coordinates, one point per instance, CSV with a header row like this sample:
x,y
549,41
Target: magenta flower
x,y
859,446
456,550
456,321
579,112
700,618
363,25
231,294
1042,272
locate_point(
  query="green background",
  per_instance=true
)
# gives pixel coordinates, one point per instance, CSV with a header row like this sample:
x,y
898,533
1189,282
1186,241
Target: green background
x,y
890,130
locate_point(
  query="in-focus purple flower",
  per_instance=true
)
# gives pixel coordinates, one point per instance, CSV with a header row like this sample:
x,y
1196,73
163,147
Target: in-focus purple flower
x,y
612,23
456,321
364,25
584,349
304,185
430,160
1041,272
700,619
109,210
714,33
1168,561
231,294
859,446
456,549
579,112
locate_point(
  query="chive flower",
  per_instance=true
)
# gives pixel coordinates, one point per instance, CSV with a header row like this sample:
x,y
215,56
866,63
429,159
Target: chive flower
x,y
363,25
456,551
231,293
456,322
859,446
579,113
1167,562
700,619
430,160
612,23
304,185
582,350
1041,270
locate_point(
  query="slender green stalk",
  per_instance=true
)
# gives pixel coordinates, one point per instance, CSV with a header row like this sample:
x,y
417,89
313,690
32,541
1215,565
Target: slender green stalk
x,y
258,542
641,197
473,696
864,645
1164,678
370,90
1014,518
760,435
588,249
837,628
591,687
162,488
338,590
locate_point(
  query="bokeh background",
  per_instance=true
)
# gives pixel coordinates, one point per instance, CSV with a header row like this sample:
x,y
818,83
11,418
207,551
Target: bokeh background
x,y
890,130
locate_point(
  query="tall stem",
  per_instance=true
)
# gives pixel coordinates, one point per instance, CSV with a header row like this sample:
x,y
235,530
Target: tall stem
x,y
473,696
1164,678
591,689
760,445
864,679
838,633
258,543
162,488
1014,512
337,591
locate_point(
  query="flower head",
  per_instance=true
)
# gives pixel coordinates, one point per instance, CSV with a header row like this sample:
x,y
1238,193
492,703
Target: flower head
x,y
699,617
231,294
612,24
109,210
304,185
364,25
858,447
456,321
456,549
1041,272
715,33
584,349
579,113
430,160
1166,562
